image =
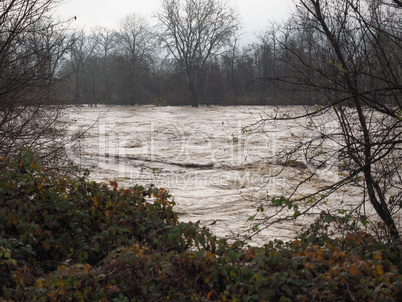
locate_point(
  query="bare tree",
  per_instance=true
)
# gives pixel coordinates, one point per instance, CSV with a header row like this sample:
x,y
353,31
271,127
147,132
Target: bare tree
x,y
348,53
193,32
75,66
137,45
104,45
32,47
229,62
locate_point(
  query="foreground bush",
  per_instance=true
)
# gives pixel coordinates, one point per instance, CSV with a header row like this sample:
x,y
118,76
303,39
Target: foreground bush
x,y
70,239
47,218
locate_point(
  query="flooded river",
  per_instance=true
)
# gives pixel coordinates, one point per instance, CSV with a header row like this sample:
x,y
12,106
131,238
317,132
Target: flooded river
x,y
217,173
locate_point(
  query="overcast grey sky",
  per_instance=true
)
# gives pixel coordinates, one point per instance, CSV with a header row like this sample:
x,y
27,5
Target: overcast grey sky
x,y
254,14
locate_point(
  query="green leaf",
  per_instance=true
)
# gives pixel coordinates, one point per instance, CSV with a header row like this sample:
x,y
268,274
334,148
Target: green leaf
x,y
7,255
261,261
172,237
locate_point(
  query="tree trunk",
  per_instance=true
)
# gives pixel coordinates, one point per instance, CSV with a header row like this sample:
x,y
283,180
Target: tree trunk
x,y
377,200
194,96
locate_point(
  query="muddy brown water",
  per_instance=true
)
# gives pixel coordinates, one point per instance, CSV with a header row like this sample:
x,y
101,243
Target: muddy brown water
x,y
217,173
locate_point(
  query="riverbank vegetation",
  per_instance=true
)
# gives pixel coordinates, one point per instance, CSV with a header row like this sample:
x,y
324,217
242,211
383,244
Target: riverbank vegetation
x,y
66,238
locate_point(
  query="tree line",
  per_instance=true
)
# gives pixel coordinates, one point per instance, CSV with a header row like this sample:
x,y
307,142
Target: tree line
x,y
193,56
128,67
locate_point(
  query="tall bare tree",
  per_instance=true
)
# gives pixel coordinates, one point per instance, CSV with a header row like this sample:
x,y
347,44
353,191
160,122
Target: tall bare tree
x,y
75,67
193,32
31,49
104,45
137,45
348,54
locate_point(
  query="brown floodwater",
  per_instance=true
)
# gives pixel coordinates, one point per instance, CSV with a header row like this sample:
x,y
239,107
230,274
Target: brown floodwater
x,y
217,173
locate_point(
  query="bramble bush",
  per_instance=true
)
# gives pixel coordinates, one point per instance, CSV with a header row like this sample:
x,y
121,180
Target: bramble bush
x,y
68,238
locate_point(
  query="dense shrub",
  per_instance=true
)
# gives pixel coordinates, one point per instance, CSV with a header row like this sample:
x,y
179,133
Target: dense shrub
x,y
71,239
48,218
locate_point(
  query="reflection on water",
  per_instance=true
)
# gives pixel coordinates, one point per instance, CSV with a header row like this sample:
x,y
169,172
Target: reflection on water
x,y
217,173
